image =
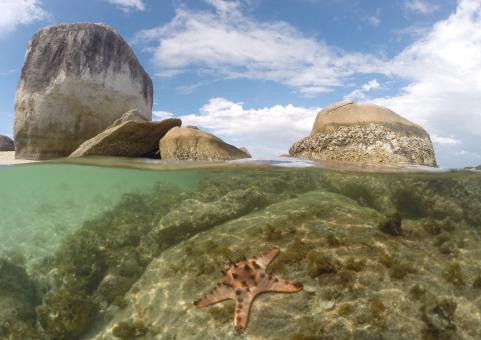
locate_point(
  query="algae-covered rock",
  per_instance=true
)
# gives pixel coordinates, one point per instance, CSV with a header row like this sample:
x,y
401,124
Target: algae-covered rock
x,y
439,313
17,299
360,280
365,133
137,268
65,314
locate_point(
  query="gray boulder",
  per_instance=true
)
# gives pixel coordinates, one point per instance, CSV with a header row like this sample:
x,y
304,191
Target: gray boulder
x,y
77,79
194,144
128,139
365,133
132,115
6,143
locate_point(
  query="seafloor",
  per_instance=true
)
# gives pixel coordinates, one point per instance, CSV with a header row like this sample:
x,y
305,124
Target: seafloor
x,y
380,255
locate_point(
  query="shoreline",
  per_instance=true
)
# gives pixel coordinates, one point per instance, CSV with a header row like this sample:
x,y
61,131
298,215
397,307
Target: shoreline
x,y
8,158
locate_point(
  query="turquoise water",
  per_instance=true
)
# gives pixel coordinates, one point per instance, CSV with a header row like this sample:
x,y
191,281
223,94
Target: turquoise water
x,y
42,203
108,252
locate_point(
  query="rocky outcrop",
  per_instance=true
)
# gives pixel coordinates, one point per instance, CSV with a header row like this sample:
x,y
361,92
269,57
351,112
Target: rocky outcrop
x,y
197,145
132,115
17,299
131,138
6,143
77,79
365,133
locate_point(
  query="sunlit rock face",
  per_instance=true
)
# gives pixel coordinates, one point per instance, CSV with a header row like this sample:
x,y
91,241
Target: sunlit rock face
x,y
194,144
77,79
366,133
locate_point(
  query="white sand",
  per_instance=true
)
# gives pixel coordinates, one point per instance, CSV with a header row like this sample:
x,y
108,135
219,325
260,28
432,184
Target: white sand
x,y
8,158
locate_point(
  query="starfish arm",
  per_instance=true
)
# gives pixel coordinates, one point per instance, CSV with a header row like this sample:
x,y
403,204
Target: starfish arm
x,y
265,259
220,293
242,310
275,284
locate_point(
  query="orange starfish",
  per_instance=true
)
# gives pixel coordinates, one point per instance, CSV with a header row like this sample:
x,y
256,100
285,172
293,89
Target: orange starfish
x,y
243,281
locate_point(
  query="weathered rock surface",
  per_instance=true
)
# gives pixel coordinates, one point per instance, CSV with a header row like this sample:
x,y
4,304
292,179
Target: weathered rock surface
x,y
17,298
132,115
77,79
6,143
197,145
244,149
366,133
358,282
129,139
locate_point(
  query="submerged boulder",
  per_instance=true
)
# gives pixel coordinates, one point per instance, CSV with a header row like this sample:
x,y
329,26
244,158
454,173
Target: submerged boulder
x,y
6,143
194,144
129,139
366,133
76,80
17,299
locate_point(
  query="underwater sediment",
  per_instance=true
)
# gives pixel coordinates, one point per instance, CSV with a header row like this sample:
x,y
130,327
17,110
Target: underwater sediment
x,y
392,256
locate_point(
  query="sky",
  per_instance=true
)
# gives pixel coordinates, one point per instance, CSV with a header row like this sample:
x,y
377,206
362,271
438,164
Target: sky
x,y
256,72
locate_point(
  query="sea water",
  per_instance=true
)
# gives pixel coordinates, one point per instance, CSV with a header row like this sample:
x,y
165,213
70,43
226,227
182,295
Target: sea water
x,y
109,252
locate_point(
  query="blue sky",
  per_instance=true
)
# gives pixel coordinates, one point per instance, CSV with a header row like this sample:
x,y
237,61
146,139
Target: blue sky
x,y
255,72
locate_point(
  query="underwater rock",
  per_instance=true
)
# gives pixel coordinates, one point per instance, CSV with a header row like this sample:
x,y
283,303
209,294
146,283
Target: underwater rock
x,y
76,80
128,139
65,314
6,143
392,224
197,145
17,299
365,279
243,281
148,258
438,313
366,133
193,216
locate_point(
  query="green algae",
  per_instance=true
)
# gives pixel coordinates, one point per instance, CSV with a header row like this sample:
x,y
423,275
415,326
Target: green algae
x,y
391,224
329,236
127,330
65,314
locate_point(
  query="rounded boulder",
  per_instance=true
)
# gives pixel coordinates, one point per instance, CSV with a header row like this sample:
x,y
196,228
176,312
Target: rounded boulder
x,y
76,81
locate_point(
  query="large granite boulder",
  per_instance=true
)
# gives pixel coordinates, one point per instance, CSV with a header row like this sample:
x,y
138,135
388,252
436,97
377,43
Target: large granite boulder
x,y
6,143
77,79
366,133
131,138
132,115
197,145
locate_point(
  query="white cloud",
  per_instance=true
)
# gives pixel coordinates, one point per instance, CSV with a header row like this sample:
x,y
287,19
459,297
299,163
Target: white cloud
x,y
360,93
420,6
128,5
19,12
443,140
268,131
228,44
159,115
375,19
443,70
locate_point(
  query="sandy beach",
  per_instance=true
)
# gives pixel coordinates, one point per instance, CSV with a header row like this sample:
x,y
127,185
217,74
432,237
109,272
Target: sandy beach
x,y
8,158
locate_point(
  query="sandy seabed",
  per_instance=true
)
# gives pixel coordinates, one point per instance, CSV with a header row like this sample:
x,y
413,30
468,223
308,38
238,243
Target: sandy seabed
x,y
8,157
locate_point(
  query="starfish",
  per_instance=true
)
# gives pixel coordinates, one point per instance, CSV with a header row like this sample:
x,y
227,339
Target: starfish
x,y
243,281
